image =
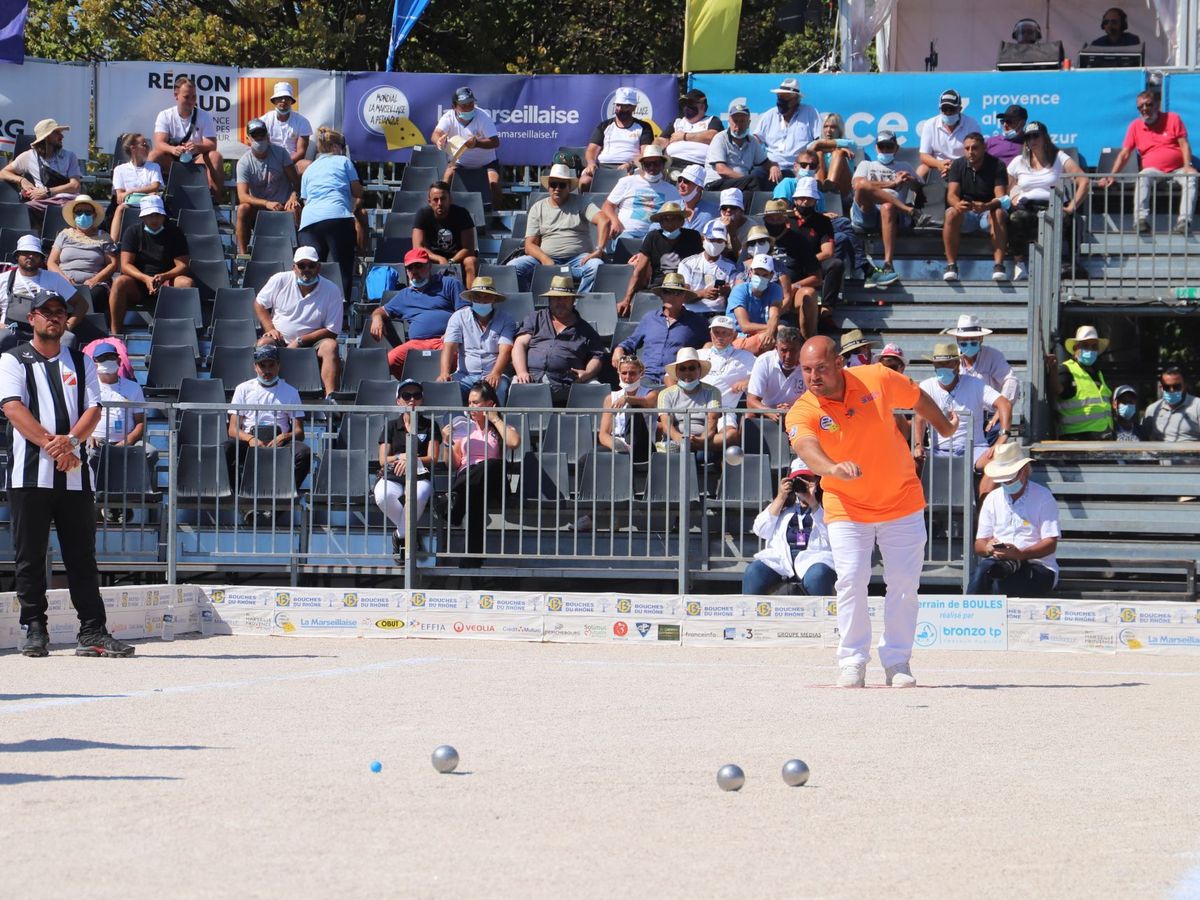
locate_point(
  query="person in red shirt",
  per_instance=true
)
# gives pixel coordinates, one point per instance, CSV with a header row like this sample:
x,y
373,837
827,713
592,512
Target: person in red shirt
x,y
1161,141
843,429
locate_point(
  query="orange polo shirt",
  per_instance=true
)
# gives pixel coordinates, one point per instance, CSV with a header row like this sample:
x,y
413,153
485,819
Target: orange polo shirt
x,y
860,429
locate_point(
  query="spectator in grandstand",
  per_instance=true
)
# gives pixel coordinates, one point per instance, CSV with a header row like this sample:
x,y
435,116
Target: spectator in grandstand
x,y
557,346
301,309
45,174
1175,416
1125,414
393,460
118,426
1116,30
693,131
477,458
892,356
817,230
185,134
1033,177
663,249
82,253
470,136
729,368
1018,531
1082,396
618,142
425,305
1006,146
758,240
848,246
133,180
287,128
797,547
21,285
266,179
696,211
557,232
661,334
787,129
807,166
733,216
277,427
736,158
967,396
776,380
708,274
691,418
792,254
975,187
1163,148
332,192
637,197
755,306
855,349
985,362
154,253
835,157
447,231
942,136
620,430
478,342
882,191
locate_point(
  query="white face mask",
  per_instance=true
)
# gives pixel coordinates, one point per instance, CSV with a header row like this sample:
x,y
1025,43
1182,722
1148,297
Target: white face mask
x,y
108,366
714,248
631,386
686,190
653,178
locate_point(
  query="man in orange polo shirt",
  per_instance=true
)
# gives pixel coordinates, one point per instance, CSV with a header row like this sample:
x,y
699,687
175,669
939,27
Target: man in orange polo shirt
x,y
842,427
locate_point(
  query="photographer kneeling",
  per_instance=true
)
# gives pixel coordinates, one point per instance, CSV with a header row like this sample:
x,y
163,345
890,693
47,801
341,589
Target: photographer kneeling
x,y
797,543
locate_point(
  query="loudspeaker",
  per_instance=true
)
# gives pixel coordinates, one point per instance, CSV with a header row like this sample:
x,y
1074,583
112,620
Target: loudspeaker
x,y
1029,57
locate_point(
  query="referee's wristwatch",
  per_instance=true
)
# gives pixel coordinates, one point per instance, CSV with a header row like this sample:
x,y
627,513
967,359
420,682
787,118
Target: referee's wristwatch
x,y
73,441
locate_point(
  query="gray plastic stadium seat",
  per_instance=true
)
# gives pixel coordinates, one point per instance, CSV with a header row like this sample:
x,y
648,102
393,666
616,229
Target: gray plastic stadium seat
x,y
173,333
232,365
169,366
209,275
232,333
300,368
272,223
604,478
363,363
198,221
419,178
15,216
203,473
258,272
205,246
268,474
179,303
272,248
600,310
606,179
375,393
505,277
423,365
612,278
409,201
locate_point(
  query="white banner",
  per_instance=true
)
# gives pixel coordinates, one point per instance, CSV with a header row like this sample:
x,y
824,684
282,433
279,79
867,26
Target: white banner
x,y
130,95
46,90
962,623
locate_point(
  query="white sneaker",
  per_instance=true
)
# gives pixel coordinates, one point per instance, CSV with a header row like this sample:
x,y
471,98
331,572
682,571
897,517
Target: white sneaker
x,y
853,676
1019,272
900,676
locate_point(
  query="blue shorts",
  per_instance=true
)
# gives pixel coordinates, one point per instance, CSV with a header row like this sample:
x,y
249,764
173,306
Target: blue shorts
x,y
975,222
868,219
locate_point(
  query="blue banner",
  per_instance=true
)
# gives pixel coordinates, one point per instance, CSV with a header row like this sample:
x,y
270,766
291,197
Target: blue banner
x,y
404,16
13,14
1085,109
534,114
1180,97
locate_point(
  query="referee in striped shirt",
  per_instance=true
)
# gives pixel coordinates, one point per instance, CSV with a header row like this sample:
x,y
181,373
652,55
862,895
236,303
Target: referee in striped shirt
x,y
51,397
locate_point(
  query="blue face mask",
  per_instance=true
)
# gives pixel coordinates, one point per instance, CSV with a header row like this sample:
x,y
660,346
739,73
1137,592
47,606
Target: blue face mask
x,y
758,283
688,385
308,281
672,234
267,382
157,230
968,348
945,377
418,283
84,220
1089,357
467,115
1010,135
885,158
1013,487
483,310
1127,410
1173,398
950,121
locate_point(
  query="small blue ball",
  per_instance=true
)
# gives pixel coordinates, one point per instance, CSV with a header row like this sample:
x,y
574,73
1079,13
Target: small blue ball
x,y
376,766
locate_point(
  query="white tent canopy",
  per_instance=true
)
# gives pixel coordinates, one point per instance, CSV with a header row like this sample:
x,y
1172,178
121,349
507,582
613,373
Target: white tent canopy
x,y
967,36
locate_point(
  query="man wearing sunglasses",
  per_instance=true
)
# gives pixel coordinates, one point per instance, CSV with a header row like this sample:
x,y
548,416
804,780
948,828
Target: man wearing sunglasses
x,y
558,232
637,197
301,309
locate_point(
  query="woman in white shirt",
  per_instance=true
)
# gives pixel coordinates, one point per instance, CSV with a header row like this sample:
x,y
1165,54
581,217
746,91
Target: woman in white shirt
x,y
620,431
1033,177
133,180
798,546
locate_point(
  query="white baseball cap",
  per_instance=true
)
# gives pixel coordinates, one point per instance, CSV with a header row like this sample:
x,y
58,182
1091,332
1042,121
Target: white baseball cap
x,y
150,205
722,322
806,187
306,254
763,261
715,230
282,89
626,96
733,197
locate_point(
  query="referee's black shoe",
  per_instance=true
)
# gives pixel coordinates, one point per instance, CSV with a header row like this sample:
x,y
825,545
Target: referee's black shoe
x,y
102,644
37,640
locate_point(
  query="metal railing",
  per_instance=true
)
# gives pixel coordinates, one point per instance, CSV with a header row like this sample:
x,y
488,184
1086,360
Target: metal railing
x,y
558,506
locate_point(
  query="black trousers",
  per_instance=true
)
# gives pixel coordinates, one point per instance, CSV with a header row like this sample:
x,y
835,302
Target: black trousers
x,y
473,491
236,453
74,516
333,239
833,273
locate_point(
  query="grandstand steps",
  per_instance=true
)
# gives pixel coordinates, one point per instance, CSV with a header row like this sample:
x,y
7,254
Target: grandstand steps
x,y
1161,244
928,287
919,317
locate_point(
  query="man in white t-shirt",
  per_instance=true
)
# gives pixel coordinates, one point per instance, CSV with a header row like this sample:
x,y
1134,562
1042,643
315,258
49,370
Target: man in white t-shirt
x,y
301,309
729,367
616,142
287,128
776,381
882,190
693,131
186,134
709,273
950,389
469,134
638,197
266,427
19,285
942,136
120,426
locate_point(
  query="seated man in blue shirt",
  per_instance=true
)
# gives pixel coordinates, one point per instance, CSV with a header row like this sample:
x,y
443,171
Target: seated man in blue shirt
x,y
661,334
425,305
755,304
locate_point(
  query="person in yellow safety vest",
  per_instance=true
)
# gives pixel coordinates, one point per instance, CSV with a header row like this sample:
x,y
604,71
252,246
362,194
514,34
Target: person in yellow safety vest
x,y
1082,397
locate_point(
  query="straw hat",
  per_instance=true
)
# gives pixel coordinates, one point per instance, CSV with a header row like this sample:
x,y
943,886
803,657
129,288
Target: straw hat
x,y
758,233
943,351
68,211
855,340
1085,333
561,286
686,355
482,288
456,147
673,281
1007,460
670,208
559,172
968,327
776,206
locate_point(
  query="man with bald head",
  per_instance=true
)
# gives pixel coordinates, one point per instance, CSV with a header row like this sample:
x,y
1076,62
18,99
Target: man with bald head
x,y
843,429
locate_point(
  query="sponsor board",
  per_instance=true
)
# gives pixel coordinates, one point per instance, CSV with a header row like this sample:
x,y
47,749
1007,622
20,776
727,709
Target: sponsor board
x,y
457,625
716,606
240,597
645,605
1057,638
645,631
127,624
315,623
242,620
506,602
752,633
1158,615
577,629
1173,639
47,90
792,609
1063,612
577,604
382,625
371,599
307,599
439,600
962,623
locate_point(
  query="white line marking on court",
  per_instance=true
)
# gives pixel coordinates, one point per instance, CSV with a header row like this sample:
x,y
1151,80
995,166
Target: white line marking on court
x,y
17,706
1189,887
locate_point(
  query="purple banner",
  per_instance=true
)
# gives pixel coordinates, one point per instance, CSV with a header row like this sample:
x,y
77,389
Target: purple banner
x,y
12,30
534,114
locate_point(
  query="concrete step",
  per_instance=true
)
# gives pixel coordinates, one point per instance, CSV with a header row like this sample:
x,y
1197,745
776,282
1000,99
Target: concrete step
x,y
926,286
931,317
917,344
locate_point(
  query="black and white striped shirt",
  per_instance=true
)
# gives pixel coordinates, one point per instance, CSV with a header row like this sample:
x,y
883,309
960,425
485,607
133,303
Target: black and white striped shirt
x,y
51,390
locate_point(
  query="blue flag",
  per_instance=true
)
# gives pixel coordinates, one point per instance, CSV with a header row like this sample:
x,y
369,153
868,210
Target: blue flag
x,y
12,30
404,16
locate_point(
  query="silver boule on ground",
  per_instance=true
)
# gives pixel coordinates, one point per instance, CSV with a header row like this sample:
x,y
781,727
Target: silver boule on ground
x,y
445,759
730,777
795,772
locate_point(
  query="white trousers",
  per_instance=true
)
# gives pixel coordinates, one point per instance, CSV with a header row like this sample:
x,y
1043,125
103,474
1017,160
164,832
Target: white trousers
x,y
389,496
1144,191
902,544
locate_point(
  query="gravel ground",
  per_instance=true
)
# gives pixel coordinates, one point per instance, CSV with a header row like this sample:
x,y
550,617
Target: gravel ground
x,y
240,767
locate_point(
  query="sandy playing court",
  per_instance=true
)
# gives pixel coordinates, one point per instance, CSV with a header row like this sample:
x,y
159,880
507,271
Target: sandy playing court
x,y
237,767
